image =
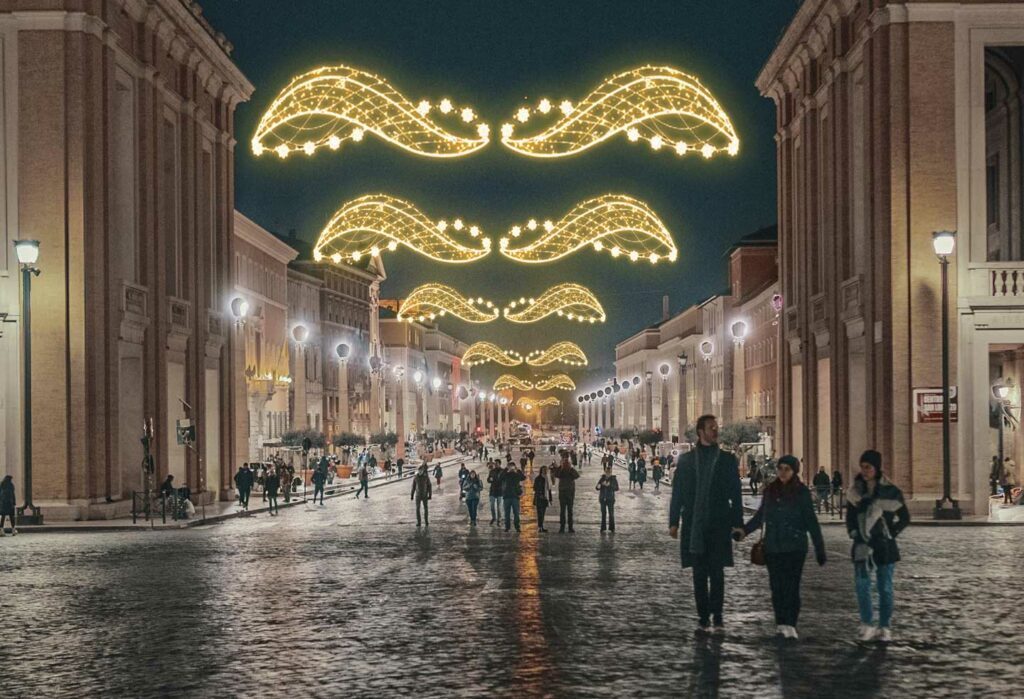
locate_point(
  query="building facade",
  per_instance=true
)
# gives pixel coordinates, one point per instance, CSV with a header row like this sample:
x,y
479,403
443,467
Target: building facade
x,y
261,282
305,356
895,120
116,122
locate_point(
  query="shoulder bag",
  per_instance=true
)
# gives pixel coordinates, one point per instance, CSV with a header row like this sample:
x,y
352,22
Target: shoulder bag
x,y
757,550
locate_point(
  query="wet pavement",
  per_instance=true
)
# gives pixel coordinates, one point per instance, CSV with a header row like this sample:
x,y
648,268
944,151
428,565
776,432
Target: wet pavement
x,y
351,600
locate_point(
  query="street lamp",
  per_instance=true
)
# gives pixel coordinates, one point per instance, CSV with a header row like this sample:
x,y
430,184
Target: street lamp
x,y
28,255
239,309
944,243
683,360
300,333
435,383
739,331
1001,392
664,370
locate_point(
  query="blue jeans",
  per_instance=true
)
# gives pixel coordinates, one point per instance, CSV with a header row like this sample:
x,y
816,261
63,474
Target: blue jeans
x,y
511,508
496,508
471,505
862,578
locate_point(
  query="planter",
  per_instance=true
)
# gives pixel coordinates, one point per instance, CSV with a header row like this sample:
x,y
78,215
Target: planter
x,y
344,471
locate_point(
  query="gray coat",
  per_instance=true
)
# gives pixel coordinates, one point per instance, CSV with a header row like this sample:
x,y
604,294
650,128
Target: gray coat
x,y
726,507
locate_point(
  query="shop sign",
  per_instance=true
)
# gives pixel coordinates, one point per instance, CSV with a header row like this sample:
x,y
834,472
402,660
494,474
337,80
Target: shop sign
x,y
928,404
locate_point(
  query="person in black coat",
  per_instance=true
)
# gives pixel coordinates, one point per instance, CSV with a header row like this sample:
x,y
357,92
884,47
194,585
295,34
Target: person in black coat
x,y
7,505
243,481
272,484
566,476
541,496
705,513
606,488
787,514
875,516
511,490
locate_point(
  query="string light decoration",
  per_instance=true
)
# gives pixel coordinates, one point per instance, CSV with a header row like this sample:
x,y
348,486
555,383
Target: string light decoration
x,y
371,224
333,104
482,352
570,301
507,381
526,403
565,352
549,400
558,381
430,301
665,107
622,225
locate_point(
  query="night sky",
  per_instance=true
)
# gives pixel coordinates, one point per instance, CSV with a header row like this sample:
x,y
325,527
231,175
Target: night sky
x,y
493,55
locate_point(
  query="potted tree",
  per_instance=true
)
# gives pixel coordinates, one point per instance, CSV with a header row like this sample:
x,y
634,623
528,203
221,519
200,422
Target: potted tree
x,y
347,441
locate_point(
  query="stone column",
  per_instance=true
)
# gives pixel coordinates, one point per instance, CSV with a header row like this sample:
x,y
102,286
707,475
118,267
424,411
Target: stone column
x,y
684,418
400,415
344,419
648,403
579,419
664,408
299,406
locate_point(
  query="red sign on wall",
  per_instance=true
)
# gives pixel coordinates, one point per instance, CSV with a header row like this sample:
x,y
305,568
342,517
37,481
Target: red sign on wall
x,y
928,404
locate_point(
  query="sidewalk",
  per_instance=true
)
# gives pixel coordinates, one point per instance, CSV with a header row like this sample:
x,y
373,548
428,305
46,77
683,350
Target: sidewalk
x,y
221,511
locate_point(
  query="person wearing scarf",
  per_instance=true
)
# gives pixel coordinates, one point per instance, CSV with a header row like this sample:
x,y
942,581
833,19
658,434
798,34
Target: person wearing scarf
x,y
875,516
705,514
787,513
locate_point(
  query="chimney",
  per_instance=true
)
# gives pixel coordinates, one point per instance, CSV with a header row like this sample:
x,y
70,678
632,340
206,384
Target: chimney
x,y
664,307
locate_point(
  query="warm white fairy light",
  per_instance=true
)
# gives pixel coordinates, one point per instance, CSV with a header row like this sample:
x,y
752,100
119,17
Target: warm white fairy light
x,y
661,105
507,381
626,224
335,103
557,382
430,299
483,352
574,299
379,221
565,352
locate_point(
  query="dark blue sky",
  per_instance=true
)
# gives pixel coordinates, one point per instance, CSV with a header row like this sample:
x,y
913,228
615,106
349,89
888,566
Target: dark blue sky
x,y
493,55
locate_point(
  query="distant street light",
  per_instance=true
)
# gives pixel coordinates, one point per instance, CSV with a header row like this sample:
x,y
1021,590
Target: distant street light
x,y
28,255
944,243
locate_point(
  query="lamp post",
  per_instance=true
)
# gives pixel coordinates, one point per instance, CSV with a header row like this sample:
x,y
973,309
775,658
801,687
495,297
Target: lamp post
x,y
503,415
28,255
683,417
400,412
344,352
739,331
435,384
1001,393
944,242
664,370
648,401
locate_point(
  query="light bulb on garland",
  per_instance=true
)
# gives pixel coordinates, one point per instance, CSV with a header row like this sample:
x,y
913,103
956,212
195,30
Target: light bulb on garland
x,y
569,299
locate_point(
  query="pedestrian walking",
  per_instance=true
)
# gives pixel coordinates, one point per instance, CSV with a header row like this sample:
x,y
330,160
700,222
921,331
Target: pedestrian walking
x,y
272,484
788,517
754,479
437,474
244,481
641,473
1008,479
632,472
400,464
837,490
657,472
463,475
994,474
319,479
494,476
705,513
7,505
566,476
364,481
607,486
511,491
472,489
421,493
541,496
875,516
822,484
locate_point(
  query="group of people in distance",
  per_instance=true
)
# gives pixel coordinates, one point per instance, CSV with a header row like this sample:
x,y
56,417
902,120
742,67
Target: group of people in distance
x,y
706,515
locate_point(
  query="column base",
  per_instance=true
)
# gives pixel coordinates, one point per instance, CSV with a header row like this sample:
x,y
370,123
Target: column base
x,y
947,509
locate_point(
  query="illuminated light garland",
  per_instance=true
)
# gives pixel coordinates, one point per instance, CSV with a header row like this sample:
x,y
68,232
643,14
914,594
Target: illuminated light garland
x,y
549,400
376,222
558,381
333,104
565,352
525,402
430,301
482,352
507,381
667,108
613,222
569,300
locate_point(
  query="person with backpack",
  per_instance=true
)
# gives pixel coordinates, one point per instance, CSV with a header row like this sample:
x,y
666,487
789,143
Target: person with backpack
x,y
875,516
421,493
788,517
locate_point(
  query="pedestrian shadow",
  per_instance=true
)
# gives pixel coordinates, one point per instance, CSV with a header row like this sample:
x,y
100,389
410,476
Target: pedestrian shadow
x,y
706,667
854,672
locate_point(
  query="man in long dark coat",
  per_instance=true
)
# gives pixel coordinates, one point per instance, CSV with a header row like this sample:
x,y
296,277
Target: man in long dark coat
x,y
706,514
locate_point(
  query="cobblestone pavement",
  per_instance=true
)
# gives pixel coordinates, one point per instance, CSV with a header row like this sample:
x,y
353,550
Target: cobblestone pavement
x,y
351,600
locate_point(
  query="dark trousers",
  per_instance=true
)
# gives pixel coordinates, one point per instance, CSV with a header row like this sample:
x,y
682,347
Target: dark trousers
x,y
542,508
318,489
784,573
426,507
564,511
364,488
708,590
272,503
608,512
471,505
511,512
243,497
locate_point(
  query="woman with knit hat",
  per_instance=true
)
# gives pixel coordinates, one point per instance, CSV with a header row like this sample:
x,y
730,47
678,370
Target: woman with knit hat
x,y
875,516
787,513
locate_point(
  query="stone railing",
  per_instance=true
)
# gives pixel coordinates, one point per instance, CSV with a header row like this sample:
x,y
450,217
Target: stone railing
x,y
1006,283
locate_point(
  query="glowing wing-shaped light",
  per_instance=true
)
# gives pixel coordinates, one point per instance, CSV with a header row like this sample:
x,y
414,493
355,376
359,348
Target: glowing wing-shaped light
x,y
429,301
558,381
525,402
376,222
330,105
564,352
549,400
569,300
506,381
483,352
623,226
663,106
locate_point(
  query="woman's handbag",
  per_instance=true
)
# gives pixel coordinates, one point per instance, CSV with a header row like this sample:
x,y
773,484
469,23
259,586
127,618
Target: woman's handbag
x,y
757,550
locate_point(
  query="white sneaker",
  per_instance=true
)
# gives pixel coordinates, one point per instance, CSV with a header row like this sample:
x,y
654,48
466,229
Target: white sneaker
x,y
14,532
780,630
885,635
791,633
867,633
